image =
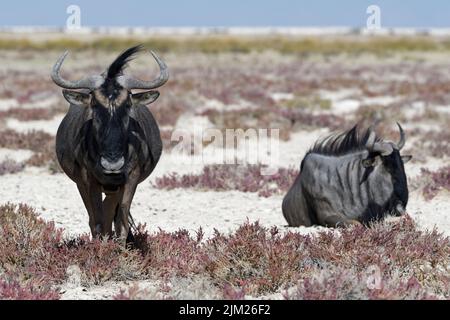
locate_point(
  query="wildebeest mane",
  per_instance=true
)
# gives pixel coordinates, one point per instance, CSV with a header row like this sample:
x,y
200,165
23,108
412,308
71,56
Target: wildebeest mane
x,y
116,68
342,143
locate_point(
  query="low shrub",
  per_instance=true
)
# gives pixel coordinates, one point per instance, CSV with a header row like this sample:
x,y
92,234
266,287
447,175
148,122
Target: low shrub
x,y
232,177
252,261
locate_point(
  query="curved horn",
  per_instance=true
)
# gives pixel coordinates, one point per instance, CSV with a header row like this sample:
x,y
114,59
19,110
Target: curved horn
x,y
371,139
380,147
401,142
91,83
133,83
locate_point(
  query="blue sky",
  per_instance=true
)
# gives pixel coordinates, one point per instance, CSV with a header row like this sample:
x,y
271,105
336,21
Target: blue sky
x,y
173,13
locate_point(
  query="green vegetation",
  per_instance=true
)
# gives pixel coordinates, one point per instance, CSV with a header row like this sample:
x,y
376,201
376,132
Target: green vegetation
x,y
308,102
217,43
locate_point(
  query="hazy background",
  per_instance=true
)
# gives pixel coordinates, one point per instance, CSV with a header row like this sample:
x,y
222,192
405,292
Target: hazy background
x,y
251,13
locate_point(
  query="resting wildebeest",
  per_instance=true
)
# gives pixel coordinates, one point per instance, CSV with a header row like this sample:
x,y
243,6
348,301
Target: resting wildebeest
x,y
109,141
348,178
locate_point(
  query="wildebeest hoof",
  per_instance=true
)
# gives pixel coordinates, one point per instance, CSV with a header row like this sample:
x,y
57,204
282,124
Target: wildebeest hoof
x,y
98,230
348,223
354,223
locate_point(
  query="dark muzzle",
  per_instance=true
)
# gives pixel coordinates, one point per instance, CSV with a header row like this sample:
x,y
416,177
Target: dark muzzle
x,y
112,166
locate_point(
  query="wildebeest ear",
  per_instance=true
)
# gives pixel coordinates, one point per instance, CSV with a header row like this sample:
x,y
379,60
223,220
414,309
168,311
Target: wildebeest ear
x,y
144,98
405,159
77,98
369,162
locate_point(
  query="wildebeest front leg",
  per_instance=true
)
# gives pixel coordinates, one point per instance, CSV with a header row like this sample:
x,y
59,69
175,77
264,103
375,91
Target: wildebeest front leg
x,y
92,199
95,197
110,208
87,203
121,222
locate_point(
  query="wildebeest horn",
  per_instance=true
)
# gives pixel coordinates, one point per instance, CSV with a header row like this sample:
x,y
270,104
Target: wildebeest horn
x,y
371,139
92,82
402,140
133,83
384,149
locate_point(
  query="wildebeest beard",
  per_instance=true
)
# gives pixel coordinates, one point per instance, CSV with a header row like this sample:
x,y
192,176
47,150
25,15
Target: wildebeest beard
x,y
88,152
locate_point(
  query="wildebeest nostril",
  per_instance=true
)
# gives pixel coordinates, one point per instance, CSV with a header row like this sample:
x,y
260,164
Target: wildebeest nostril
x,y
112,165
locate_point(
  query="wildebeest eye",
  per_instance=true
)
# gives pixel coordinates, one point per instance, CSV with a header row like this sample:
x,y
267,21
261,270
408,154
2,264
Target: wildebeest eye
x,y
369,162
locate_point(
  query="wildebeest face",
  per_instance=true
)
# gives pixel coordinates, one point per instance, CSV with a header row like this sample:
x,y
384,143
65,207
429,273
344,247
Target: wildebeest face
x,y
386,156
394,164
109,134
109,110
110,119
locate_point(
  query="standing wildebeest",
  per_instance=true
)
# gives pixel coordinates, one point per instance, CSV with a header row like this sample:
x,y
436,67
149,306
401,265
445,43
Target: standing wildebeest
x,y
348,178
109,141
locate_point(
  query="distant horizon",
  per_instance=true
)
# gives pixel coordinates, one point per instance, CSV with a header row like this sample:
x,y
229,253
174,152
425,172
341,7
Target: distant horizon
x,y
228,29
294,31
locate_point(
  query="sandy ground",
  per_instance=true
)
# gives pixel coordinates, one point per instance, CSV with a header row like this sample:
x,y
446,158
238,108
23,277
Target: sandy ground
x,y
48,126
16,155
